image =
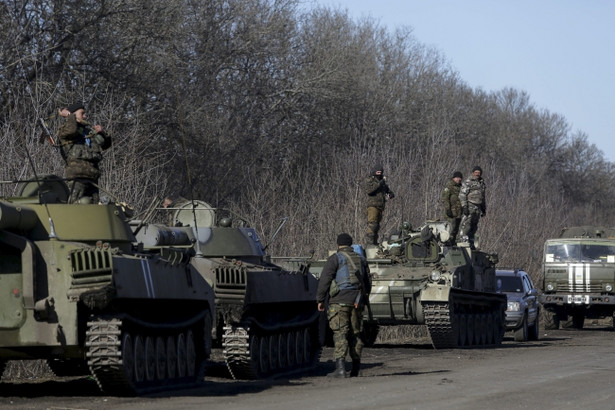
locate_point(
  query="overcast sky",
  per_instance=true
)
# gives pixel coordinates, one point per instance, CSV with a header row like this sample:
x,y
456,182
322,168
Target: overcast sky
x,y
561,52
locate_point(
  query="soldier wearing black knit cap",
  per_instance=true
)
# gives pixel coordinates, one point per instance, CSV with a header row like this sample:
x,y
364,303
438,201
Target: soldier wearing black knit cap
x,y
348,272
378,193
82,147
452,205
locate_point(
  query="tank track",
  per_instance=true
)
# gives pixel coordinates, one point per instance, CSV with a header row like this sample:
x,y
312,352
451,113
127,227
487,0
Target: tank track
x,y
466,325
253,353
127,358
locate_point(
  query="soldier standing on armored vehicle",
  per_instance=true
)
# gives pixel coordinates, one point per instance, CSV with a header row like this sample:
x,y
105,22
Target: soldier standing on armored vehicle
x,y
82,147
378,193
345,279
473,205
452,205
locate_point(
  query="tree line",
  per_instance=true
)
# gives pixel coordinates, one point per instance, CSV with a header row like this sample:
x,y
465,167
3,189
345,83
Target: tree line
x,y
274,110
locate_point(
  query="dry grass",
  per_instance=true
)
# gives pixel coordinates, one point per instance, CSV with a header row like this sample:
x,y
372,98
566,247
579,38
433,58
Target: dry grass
x,y
26,370
403,334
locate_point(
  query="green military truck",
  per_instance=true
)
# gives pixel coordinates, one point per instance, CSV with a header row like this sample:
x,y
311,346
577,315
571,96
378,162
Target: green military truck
x,y
578,273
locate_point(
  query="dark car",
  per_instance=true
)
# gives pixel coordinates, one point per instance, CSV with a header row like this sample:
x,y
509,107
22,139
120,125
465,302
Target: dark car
x,y
522,313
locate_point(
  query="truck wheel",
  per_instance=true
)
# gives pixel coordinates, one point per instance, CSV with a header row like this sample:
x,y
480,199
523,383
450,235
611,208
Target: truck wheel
x,y
550,320
578,319
521,333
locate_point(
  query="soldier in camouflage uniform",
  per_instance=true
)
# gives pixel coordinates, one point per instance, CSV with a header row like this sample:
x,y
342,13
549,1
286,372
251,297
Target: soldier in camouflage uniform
x,y
352,284
473,205
82,146
452,205
378,193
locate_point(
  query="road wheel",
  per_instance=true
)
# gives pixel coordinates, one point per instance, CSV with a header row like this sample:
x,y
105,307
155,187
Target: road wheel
x,y
161,359
128,357
150,359
290,348
139,354
370,333
171,357
550,319
471,326
521,333
463,330
534,330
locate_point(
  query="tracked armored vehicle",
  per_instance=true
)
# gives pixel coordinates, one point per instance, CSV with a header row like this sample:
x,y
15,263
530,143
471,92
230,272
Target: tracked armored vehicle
x,y
80,292
266,316
578,273
417,280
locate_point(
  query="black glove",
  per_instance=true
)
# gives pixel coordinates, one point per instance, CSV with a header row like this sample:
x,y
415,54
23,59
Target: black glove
x,y
449,213
390,194
483,211
466,210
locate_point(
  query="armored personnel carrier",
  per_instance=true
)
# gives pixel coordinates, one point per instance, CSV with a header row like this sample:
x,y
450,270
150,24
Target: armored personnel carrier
x,y
266,316
417,280
80,292
578,276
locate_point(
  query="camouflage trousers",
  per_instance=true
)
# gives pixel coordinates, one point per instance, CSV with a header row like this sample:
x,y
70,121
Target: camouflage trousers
x,y
454,228
469,225
346,322
374,216
83,191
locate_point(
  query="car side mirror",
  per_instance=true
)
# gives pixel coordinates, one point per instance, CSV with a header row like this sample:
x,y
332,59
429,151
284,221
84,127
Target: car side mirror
x,y
532,292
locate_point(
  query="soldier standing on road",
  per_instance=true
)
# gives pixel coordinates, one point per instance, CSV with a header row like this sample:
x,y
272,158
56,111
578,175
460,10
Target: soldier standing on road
x,y
345,280
452,205
473,205
82,146
378,193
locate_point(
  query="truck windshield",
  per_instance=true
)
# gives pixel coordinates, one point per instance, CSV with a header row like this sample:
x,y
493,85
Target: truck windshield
x,y
580,252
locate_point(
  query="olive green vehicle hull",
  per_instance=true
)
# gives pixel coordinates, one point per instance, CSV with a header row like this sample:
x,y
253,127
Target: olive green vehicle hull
x,y
82,294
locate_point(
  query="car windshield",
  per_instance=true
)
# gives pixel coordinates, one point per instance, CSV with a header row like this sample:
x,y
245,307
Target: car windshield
x,y
580,252
510,284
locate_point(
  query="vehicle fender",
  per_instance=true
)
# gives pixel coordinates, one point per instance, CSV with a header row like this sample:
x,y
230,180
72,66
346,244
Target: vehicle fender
x,y
435,293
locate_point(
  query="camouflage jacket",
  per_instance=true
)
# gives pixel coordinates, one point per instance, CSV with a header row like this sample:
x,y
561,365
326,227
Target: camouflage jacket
x,y
82,148
329,271
450,199
376,189
473,192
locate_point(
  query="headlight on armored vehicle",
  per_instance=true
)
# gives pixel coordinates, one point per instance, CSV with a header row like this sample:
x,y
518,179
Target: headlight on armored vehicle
x,y
513,306
550,287
435,275
608,287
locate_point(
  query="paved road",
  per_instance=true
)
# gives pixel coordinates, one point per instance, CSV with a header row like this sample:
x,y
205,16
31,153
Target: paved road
x,y
565,370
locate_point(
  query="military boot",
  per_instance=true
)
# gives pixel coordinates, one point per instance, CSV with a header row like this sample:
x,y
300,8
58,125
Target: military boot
x,y
340,369
356,366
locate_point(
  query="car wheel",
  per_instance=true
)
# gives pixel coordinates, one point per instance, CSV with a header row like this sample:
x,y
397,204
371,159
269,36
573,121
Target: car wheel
x,y
521,333
534,331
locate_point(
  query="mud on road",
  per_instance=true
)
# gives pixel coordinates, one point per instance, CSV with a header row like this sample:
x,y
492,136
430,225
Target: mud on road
x,y
564,369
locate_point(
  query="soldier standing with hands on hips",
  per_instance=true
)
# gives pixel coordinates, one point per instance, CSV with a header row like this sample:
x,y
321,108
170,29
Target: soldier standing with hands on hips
x,y
345,280
378,193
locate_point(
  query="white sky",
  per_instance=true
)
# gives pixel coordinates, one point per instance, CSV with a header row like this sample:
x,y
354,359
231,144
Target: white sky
x,y
560,52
